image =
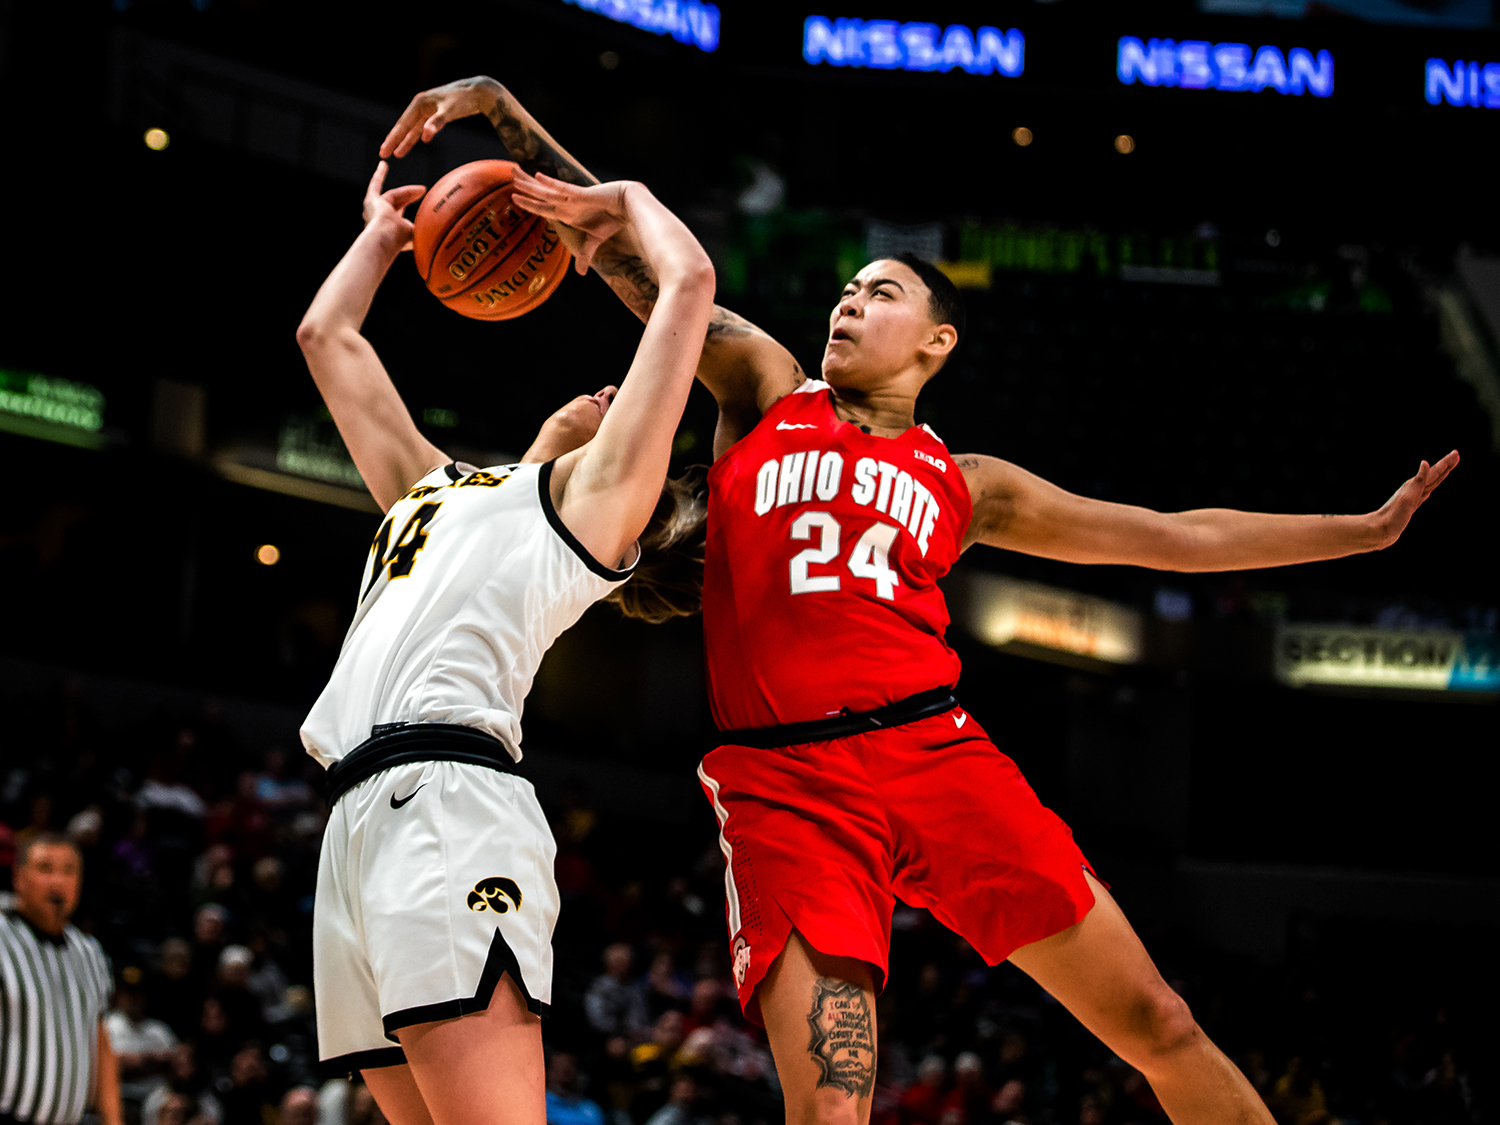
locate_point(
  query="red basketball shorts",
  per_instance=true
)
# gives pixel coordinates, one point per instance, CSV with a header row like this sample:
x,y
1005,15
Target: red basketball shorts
x,y
823,837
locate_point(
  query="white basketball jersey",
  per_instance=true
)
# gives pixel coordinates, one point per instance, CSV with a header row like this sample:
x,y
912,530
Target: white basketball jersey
x,y
471,578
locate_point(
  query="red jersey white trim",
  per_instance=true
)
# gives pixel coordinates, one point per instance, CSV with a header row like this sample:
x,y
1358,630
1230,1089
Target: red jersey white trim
x,y
825,545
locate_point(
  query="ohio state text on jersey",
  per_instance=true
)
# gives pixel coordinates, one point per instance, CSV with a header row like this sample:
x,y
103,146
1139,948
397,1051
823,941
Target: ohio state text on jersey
x,y
825,545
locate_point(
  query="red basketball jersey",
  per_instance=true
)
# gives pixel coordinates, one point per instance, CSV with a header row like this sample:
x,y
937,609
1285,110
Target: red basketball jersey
x,y
825,545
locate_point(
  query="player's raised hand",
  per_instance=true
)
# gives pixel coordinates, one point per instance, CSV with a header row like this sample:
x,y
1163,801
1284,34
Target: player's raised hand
x,y
598,211
1396,512
430,110
385,208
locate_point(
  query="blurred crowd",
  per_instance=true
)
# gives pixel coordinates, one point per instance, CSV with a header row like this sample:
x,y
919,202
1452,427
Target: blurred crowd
x,y
201,856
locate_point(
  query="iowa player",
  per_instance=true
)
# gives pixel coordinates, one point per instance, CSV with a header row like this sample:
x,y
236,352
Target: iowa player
x,y
848,772
435,902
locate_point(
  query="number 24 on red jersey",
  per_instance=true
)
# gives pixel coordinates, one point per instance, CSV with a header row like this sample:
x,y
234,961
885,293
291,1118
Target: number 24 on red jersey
x,y
891,491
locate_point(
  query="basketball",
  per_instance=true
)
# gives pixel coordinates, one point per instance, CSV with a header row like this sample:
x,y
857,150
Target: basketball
x,y
480,255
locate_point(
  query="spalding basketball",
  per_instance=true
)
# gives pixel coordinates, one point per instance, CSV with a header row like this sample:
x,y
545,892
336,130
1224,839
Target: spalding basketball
x,y
480,254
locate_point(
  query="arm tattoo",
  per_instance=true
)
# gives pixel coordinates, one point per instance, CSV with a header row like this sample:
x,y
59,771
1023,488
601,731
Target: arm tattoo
x,y
725,323
843,1037
529,145
966,461
631,277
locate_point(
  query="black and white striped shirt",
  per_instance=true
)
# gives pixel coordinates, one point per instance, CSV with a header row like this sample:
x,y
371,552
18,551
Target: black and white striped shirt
x,y
53,992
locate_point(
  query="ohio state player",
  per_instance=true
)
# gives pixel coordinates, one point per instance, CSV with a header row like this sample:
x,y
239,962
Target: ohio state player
x,y
849,774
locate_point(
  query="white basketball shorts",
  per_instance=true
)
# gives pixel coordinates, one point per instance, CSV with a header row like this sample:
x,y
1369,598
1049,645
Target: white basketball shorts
x,y
435,878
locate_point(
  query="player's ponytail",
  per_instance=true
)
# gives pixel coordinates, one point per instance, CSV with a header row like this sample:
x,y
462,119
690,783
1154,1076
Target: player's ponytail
x,y
668,581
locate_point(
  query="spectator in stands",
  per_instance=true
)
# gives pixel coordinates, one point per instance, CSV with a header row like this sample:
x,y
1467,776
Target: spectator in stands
x,y
241,822
142,1046
132,852
679,1107
708,994
565,1104
247,1101
278,791
266,980
184,1078
663,988
969,1100
267,899
216,1038
654,1063
1009,1104
299,1106
175,995
164,791
177,1108
923,1103
209,939
233,992
612,1005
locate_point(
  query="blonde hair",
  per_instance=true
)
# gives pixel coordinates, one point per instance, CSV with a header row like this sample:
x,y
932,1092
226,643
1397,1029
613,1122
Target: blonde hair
x,y
668,581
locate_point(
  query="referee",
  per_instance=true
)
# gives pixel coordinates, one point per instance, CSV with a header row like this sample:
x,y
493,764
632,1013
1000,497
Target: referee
x,y
55,1057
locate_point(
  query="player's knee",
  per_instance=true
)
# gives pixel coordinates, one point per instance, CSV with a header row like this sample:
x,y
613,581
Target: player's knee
x,y
1162,1024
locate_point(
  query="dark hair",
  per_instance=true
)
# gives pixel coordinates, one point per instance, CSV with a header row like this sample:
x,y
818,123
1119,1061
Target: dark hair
x,y
41,840
944,300
668,580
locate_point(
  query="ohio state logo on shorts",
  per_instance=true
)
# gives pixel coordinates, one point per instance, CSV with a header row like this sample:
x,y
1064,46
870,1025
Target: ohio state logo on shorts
x,y
741,956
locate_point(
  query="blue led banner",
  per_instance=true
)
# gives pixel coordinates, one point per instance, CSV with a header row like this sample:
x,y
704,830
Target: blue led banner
x,y
1199,65
687,21
889,45
1463,83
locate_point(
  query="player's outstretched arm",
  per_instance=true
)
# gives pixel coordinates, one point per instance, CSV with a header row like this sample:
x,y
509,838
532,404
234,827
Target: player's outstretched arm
x,y
742,366
606,491
1019,511
388,450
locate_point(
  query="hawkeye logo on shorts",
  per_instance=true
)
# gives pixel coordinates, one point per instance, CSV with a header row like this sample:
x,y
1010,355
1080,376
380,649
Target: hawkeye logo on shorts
x,y
491,893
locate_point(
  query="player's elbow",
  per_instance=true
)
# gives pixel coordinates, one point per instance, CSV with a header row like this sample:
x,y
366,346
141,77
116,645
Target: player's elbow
x,y
318,338
692,275
1179,546
312,335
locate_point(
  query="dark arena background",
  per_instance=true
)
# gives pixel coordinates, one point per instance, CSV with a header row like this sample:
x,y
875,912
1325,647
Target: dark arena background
x,y
1182,292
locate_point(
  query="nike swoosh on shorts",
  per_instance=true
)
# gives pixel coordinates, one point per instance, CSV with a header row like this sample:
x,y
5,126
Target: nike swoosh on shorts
x,y
395,804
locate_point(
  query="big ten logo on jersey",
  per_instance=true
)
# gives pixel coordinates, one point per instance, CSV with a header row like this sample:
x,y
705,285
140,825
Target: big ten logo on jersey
x,y
894,492
481,479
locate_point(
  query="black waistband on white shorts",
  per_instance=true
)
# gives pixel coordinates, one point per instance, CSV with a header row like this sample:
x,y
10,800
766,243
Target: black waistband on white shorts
x,y
923,705
397,744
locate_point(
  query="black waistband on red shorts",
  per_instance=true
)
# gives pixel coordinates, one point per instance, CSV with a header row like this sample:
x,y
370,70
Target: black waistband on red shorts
x,y
397,744
920,706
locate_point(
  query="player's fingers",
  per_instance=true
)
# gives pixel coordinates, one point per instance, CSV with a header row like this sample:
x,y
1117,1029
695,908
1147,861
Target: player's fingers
x,y
1440,472
403,197
400,133
377,178
434,125
534,205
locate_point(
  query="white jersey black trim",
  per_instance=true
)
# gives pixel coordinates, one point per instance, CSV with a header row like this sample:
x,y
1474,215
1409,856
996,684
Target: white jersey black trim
x,y
470,578
544,494
53,993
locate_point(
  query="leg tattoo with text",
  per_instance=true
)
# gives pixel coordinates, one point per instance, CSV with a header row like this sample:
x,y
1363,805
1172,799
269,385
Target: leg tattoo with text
x,y
843,1037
